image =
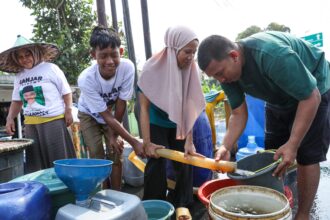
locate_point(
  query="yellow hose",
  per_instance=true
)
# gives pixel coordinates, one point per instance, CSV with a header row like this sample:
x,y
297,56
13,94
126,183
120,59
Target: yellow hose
x,y
223,166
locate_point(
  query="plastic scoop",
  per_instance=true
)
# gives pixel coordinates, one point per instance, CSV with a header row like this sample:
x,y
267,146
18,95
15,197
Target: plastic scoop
x,y
223,166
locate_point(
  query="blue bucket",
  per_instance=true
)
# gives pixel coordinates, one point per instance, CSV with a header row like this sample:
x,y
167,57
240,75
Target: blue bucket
x,y
158,209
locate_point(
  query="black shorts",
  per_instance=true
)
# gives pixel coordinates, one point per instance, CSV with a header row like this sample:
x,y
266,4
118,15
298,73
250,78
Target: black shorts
x,y
315,145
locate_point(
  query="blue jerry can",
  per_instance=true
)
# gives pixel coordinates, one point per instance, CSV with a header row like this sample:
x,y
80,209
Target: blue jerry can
x,y
24,200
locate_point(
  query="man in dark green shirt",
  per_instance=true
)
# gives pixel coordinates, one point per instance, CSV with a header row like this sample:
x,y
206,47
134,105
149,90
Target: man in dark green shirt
x,y
293,78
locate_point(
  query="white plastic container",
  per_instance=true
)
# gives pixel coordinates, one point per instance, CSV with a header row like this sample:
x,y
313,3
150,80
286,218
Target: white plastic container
x,y
131,174
250,149
249,202
105,205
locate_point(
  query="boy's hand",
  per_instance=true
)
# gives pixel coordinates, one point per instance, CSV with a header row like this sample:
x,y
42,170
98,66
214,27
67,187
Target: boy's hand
x,y
150,149
117,144
138,149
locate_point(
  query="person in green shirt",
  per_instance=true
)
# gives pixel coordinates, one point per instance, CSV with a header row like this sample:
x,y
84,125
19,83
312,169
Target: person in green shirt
x,y
292,77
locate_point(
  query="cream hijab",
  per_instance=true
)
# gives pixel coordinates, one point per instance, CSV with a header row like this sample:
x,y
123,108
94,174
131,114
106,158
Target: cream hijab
x,y
175,91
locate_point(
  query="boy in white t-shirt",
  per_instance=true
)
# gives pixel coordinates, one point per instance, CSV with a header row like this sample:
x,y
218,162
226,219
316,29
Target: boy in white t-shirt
x,y
105,88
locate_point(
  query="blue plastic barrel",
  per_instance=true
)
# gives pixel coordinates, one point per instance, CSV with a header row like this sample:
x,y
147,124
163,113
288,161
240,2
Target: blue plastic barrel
x,y
256,122
59,193
202,138
24,200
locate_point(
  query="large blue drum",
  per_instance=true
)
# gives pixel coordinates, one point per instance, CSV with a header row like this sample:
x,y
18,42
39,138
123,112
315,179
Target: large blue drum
x,y
24,200
256,122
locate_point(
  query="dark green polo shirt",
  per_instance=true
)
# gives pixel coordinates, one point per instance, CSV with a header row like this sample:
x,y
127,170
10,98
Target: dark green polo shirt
x,y
280,69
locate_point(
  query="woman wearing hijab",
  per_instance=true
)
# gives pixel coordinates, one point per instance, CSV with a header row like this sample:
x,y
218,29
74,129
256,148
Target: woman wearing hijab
x,y
42,91
171,100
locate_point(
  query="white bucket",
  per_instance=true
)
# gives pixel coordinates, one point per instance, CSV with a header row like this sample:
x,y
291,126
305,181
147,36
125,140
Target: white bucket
x,y
245,202
131,174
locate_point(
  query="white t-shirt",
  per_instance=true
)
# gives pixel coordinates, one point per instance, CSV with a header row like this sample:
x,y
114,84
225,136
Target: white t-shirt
x,y
97,93
41,90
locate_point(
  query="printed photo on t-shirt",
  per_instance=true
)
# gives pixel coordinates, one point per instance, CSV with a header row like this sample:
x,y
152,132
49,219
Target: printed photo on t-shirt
x,y
32,96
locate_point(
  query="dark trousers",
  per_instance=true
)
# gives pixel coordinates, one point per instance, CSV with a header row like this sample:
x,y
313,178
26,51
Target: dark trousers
x,y
155,184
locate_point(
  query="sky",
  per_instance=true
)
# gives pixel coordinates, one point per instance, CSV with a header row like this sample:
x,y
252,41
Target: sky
x,y
205,17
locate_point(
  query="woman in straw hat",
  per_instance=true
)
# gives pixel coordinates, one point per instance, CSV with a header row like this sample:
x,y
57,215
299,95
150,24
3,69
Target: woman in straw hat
x,y
41,89
171,100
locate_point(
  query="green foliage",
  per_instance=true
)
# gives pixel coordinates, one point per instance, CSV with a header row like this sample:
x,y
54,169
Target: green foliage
x,y
277,27
255,29
68,24
209,84
248,32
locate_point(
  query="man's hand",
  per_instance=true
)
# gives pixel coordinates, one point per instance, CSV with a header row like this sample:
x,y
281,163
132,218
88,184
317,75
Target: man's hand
x,y
117,144
222,154
288,154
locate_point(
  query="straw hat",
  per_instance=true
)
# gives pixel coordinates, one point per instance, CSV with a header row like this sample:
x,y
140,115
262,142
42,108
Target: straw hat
x,y
7,64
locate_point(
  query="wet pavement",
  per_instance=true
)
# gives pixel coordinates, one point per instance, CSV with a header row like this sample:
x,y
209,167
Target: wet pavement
x,y
321,207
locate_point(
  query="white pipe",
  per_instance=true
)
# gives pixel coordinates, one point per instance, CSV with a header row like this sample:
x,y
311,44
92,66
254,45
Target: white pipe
x,y
19,126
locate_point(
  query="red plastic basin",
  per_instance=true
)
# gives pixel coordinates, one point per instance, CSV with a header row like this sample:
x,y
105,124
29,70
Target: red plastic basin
x,y
205,190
